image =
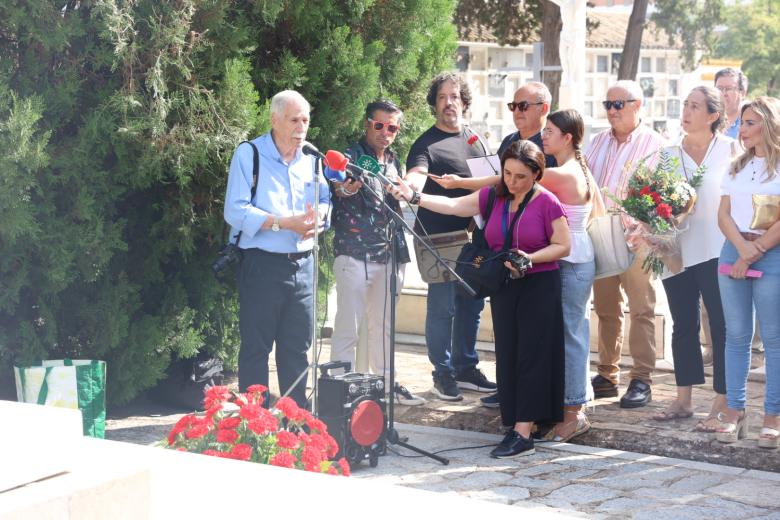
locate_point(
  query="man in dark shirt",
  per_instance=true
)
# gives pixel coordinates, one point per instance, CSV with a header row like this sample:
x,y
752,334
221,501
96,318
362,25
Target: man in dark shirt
x,y
529,108
362,244
452,318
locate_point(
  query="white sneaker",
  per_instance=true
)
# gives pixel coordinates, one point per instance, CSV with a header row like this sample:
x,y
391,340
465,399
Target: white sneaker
x,y
406,398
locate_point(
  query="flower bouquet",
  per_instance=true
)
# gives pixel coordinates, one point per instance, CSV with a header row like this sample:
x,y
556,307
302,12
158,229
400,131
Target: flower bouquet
x,y
286,435
661,199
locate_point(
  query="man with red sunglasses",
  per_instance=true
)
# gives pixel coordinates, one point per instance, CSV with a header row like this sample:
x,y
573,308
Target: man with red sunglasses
x,y
363,248
530,107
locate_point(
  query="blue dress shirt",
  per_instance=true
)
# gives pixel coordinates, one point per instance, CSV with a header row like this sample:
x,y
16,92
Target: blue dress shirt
x,y
733,129
283,189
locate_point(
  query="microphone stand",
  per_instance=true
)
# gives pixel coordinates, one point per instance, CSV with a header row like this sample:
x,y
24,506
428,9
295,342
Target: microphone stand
x,y
397,226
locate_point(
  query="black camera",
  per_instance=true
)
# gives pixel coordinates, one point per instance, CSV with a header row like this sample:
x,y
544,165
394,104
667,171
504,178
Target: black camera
x,y
520,262
228,255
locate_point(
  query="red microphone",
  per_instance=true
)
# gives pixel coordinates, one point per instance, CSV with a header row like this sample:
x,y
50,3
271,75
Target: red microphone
x,y
336,160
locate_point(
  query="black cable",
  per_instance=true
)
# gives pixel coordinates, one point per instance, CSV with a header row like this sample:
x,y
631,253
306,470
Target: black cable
x,y
441,451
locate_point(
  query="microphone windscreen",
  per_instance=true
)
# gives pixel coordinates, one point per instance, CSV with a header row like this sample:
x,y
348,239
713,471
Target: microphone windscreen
x,y
336,160
335,175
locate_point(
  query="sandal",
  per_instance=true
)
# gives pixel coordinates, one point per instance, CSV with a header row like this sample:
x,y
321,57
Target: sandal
x,y
672,413
769,438
706,426
731,432
583,425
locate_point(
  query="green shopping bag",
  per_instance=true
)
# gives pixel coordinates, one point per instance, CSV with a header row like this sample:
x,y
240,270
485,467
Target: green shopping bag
x,y
70,384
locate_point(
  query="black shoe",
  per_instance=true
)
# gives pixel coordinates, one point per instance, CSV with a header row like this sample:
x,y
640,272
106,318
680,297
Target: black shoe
x,y
474,379
490,401
513,445
445,387
637,395
603,387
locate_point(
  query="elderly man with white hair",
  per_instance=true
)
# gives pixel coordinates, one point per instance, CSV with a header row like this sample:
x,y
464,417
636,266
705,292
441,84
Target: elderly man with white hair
x,y
611,156
273,224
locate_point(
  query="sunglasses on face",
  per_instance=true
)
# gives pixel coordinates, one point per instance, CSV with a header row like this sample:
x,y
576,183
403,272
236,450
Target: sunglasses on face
x,y
617,104
522,106
378,126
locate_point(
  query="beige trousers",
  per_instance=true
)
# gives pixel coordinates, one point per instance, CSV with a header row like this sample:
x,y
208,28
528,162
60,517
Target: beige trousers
x,y
362,290
607,300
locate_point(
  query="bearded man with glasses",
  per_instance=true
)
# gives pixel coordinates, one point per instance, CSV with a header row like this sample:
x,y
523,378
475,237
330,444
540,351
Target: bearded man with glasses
x,y
363,248
611,157
530,107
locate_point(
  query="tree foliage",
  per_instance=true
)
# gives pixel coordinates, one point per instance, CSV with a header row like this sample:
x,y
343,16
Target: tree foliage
x,y
753,35
117,119
692,23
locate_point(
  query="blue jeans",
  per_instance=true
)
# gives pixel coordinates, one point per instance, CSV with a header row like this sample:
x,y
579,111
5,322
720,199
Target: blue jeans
x,y
451,326
576,283
739,298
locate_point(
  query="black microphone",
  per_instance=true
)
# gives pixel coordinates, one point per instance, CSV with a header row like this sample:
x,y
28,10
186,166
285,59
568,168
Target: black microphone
x,y
310,149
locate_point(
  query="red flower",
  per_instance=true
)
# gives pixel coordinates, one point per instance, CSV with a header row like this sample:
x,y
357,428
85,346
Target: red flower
x,y
250,411
288,407
212,453
473,139
228,436
265,423
333,446
216,394
229,423
241,452
181,425
332,471
344,467
311,457
285,439
645,191
656,197
316,424
211,412
197,431
283,459
664,211
257,392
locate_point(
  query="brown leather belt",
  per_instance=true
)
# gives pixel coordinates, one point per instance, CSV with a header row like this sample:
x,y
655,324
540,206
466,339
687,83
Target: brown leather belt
x,y
750,237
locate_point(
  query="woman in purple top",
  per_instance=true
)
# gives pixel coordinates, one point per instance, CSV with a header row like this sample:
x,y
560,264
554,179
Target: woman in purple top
x,y
527,315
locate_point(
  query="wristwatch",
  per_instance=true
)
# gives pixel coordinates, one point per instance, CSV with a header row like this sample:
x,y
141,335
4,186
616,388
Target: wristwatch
x,y
274,224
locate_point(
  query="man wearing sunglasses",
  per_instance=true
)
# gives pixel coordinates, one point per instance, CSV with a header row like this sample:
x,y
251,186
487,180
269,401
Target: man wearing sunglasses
x,y
611,156
363,248
436,161
530,107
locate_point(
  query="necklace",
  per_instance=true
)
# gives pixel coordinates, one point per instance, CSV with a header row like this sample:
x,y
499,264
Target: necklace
x,y
710,146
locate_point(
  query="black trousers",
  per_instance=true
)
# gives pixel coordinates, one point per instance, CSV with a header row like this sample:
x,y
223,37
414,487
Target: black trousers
x,y
682,291
528,328
275,297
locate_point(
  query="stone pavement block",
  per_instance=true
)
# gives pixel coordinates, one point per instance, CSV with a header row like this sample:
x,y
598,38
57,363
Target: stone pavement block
x,y
672,496
760,493
654,476
624,506
698,482
480,480
539,486
683,512
501,494
589,462
421,478
540,469
582,494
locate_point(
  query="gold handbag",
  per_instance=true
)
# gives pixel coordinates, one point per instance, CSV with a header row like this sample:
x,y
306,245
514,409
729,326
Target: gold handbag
x,y
766,211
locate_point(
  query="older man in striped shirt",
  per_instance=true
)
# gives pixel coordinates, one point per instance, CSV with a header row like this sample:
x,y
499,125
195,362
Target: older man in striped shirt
x,y
612,156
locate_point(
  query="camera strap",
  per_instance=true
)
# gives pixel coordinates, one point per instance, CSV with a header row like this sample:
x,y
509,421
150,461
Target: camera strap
x,y
518,214
255,176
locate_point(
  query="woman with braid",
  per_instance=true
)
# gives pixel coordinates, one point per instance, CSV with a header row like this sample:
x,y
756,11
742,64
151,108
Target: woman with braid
x,y
577,191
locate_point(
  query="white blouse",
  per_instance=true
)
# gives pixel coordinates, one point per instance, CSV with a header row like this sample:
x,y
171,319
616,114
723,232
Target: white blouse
x,y
703,240
741,187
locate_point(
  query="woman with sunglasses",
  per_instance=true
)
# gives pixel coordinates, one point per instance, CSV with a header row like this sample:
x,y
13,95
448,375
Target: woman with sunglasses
x,y
575,187
703,146
751,258
527,314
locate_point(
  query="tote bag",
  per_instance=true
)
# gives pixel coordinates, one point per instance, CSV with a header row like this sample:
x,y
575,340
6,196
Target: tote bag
x,y
69,383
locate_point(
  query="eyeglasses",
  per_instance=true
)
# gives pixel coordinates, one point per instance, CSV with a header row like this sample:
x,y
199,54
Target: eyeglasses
x,y
726,90
618,104
379,125
522,105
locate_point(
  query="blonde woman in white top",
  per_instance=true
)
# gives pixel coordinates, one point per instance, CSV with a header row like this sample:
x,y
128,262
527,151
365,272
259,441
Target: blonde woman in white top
x,y
702,146
756,171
